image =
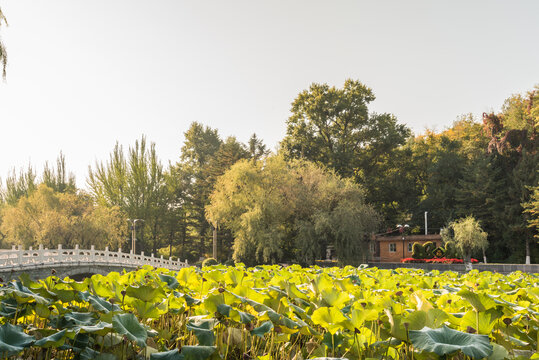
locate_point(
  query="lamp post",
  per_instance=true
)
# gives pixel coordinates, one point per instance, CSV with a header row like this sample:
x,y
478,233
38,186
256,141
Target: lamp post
x,y
402,229
133,233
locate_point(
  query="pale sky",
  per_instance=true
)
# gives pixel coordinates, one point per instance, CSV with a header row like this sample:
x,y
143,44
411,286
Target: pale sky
x,y
83,75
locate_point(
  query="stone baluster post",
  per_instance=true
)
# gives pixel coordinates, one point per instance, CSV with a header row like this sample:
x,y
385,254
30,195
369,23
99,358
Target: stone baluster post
x,y
40,254
60,257
19,255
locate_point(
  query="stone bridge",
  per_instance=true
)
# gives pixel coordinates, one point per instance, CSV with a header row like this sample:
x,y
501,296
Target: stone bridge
x,y
75,263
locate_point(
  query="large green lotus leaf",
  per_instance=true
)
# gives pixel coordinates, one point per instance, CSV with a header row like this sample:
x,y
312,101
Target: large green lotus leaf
x,y
72,319
80,286
24,295
330,318
203,330
100,304
188,278
334,298
90,354
171,281
322,282
416,320
498,352
29,283
54,340
101,287
262,329
327,358
13,340
234,276
487,321
212,302
215,276
146,310
128,325
9,308
188,299
436,318
480,302
101,328
197,352
444,341
64,295
293,291
167,355
398,330
420,300
146,293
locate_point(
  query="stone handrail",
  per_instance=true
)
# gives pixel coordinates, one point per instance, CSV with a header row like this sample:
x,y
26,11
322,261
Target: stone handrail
x,y
18,257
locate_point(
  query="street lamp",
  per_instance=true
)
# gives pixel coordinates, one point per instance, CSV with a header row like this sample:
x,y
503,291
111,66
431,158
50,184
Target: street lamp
x,y
133,233
402,229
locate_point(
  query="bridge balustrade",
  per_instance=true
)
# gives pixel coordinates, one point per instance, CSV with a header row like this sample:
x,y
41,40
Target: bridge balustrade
x,y
18,256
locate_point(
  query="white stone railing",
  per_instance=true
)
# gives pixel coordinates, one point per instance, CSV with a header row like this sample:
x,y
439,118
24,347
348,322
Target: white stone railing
x,y
18,257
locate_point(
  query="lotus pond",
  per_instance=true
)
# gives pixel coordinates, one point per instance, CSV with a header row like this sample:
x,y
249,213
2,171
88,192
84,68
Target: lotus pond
x,y
270,312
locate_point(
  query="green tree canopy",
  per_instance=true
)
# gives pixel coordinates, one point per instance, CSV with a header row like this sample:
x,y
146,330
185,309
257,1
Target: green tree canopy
x,y
290,211
50,218
136,185
468,236
333,127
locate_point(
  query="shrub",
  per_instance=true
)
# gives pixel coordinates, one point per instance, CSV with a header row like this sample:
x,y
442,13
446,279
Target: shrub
x,y
209,262
418,251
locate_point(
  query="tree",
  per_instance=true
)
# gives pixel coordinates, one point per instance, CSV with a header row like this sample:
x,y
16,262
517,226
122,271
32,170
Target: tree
x,y
136,185
3,53
205,157
468,236
18,186
49,218
333,127
200,146
59,180
532,209
290,211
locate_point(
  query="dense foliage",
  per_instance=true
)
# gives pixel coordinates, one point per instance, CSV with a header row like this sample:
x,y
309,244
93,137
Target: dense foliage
x,y
281,211
270,312
486,170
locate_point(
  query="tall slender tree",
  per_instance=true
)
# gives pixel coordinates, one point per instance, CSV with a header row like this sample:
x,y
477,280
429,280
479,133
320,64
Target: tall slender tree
x,y
136,184
3,52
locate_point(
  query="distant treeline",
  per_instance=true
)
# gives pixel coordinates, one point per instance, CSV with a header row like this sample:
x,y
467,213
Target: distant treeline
x,y
340,173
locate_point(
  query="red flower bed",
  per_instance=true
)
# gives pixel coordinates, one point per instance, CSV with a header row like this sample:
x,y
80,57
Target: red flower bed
x,y
435,261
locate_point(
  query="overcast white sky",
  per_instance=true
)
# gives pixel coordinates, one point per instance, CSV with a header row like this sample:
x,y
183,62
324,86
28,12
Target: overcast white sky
x,y
85,74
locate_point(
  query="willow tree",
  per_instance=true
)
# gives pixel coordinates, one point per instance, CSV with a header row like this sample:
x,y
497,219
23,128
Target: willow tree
x,y
3,53
291,211
468,237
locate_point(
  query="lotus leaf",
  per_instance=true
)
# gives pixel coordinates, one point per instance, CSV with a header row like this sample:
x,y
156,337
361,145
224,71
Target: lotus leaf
x,y
202,328
262,329
101,304
329,317
128,325
13,340
171,281
444,341
54,340
167,355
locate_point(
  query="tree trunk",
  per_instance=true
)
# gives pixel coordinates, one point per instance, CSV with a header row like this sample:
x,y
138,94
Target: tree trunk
x,y
215,242
484,257
528,251
468,262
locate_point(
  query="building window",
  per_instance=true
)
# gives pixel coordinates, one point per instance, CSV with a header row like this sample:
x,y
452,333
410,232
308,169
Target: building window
x,y
410,247
393,247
